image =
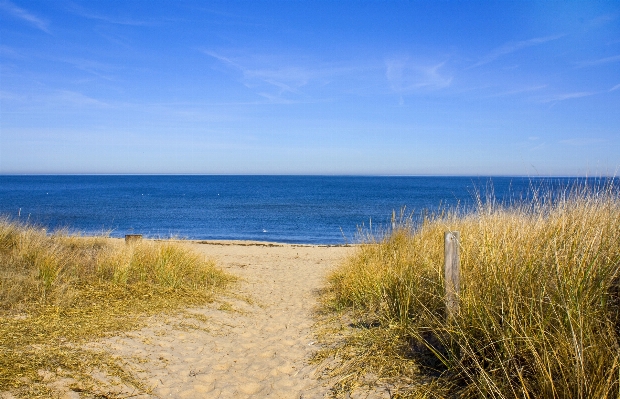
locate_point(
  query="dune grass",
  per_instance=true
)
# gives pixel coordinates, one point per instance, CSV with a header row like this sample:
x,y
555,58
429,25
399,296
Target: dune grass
x,y
58,291
539,307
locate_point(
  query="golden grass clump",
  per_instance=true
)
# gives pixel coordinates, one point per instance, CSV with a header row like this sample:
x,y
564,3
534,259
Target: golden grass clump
x,y
58,290
539,307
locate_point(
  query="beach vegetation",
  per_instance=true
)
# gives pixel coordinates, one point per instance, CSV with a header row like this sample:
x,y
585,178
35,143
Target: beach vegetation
x,y
539,313
59,291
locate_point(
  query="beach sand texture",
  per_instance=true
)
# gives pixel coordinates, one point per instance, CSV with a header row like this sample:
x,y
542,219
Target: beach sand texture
x,y
254,343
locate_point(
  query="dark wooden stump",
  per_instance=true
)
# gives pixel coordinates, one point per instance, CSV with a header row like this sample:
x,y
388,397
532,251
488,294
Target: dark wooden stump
x,y
129,238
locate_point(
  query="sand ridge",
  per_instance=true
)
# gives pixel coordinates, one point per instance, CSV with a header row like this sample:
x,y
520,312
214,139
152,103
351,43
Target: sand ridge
x,y
254,343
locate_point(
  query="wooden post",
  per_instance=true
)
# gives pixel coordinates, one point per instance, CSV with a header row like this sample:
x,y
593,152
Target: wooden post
x,y
452,272
393,220
129,238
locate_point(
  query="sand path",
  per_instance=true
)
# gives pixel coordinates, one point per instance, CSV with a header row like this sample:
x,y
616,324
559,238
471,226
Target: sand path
x,y
255,343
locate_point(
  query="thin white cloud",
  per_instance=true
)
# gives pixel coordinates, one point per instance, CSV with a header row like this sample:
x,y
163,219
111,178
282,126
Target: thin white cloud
x,y
79,99
9,96
57,98
405,76
602,20
532,143
24,15
285,79
582,141
568,96
616,87
538,147
512,47
600,61
96,68
274,78
115,20
229,18
219,57
6,51
275,99
522,90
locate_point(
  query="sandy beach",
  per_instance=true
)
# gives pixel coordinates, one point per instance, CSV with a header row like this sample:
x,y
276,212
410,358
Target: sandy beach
x,y
254,342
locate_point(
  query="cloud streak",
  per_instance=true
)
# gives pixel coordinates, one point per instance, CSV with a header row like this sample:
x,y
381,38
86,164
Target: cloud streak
x,y
515,92
512,47
277,80
109,19
79,99
287,79
96,68
579,142
57,98
600,61
568,96
24,15
406,77
6,51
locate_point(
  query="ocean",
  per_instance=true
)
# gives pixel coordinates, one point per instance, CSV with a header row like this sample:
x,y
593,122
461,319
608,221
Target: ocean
x,y
291,209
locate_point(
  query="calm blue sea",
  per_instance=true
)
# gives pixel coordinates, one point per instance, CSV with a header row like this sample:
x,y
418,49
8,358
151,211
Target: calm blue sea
x,y
295,209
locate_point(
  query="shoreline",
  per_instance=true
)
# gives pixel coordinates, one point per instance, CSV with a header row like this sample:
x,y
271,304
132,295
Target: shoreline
x,y
243,243
253,243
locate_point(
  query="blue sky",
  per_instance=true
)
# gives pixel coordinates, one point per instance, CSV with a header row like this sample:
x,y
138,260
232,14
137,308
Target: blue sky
x,y
310,87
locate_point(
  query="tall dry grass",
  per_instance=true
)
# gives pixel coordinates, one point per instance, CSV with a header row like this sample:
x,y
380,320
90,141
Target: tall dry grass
x,y
539,307
58,290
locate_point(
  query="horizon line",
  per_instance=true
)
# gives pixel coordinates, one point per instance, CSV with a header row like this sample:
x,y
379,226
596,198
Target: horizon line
x,y
311,175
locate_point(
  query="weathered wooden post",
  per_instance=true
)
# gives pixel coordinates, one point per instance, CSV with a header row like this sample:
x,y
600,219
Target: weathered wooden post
x,y
131,238
393,220
452,272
